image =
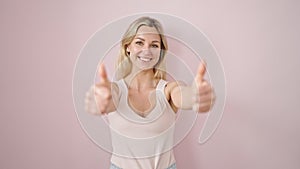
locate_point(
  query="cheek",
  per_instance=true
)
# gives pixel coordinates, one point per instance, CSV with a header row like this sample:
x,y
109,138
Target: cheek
x,y
135,50
156,52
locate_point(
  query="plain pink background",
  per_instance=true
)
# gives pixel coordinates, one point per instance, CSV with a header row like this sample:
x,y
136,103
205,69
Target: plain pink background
x,y
258,43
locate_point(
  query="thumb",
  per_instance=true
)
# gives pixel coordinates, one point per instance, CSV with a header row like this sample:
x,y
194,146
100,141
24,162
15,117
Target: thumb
x,y
102,74
200,73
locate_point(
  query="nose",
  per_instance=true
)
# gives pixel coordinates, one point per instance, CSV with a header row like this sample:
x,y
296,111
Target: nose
x,y
146,46
146,49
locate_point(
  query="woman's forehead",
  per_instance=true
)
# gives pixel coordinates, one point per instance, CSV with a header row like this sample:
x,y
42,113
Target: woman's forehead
x,y
148,31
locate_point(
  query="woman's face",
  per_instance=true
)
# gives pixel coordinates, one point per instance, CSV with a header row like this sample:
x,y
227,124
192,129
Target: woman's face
x,y
145,48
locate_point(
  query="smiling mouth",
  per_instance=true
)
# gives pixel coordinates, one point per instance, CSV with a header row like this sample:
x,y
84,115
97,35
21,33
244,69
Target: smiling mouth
x,y
145,59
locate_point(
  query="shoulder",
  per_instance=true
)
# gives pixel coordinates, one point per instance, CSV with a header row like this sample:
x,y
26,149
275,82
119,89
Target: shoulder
x,y
170,89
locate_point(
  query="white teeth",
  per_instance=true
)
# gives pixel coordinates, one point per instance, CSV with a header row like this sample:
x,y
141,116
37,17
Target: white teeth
x,y
145,59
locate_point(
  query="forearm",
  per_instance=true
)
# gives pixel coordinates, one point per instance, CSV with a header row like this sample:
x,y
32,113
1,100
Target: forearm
x,y
182,96
114,101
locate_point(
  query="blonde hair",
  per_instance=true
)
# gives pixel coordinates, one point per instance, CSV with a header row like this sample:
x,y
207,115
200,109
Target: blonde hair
x,y
124,64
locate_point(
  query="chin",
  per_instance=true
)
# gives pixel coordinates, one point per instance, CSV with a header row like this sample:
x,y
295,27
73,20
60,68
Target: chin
x,y
144,68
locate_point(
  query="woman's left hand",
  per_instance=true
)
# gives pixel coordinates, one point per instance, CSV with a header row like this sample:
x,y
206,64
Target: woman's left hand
x,y
204,96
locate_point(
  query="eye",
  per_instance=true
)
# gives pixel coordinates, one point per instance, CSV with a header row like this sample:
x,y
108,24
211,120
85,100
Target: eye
x,y
154,46
140,43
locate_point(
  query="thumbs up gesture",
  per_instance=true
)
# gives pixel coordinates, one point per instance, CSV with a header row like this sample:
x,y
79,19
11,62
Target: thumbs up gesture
x,y
204,97
99,98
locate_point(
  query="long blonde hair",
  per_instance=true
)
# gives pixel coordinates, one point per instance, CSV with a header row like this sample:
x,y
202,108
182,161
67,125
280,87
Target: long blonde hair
x,y
124,64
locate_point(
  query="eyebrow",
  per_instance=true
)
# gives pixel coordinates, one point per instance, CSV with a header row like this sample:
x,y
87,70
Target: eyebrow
x,y
144,40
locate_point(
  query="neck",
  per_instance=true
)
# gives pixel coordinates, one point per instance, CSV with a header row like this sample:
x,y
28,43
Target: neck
x,y
141,80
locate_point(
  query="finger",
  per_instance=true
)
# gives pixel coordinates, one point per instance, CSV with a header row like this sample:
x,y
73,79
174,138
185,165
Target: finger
x,y
91,107
204,107
204,89
91,92
102,74
200,73
206,98
103,93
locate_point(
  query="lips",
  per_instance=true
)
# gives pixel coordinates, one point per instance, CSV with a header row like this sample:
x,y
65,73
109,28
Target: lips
x,y
145,59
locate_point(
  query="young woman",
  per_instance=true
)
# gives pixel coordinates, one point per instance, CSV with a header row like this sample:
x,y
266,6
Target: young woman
x,y
141,105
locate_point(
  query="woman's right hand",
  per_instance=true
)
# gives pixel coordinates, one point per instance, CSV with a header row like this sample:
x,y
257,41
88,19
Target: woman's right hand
x,y
99,99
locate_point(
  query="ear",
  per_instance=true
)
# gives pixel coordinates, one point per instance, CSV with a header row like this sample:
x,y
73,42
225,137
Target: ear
x,y
127,50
